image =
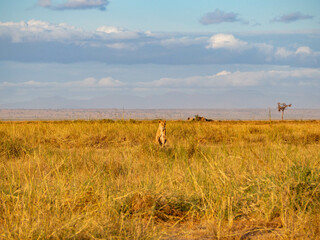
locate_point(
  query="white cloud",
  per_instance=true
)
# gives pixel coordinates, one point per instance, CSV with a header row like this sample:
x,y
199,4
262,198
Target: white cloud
x,y
37,31
283,52
182,41
92,82
41,31
149,33
32,83
220,79
88,82
110,82
223,73
121,46
303,73
227,41
264,47
300,51
116,33
304,50
109,29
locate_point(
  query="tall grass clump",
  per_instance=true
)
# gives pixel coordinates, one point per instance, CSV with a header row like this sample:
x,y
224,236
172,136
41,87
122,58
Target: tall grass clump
x,y
108,179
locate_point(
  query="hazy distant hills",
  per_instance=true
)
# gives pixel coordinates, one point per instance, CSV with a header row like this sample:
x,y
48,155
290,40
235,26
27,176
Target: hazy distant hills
x,y
172,100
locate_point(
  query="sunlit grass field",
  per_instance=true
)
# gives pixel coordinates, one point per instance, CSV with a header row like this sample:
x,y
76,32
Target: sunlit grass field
x,y
108,179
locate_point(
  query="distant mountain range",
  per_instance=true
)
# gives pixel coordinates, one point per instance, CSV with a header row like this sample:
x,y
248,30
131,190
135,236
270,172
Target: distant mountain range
x,y
172,100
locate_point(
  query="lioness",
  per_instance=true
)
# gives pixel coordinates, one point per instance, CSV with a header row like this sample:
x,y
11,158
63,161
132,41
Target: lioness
x,y
161,133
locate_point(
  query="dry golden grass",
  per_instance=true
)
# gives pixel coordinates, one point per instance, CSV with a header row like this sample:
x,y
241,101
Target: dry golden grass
x,y
109,180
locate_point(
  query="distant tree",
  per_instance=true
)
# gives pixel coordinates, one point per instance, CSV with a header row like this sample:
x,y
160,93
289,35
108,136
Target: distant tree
x,y
282,107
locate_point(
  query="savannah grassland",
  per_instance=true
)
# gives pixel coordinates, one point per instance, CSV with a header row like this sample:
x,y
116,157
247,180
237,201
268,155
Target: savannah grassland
x,y
108,179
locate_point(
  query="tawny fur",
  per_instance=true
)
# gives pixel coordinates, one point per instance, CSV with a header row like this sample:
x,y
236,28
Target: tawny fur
x,y
161,134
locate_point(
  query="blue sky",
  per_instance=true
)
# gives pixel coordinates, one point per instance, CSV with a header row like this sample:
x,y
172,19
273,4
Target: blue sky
x,y
84,49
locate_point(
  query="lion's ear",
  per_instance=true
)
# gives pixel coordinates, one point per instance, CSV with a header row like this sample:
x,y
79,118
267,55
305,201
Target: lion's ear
x,y
159,121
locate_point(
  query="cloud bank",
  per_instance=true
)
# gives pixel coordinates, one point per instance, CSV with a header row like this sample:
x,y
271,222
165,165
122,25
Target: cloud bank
x,y
39,41
90,82
241,79
301,76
